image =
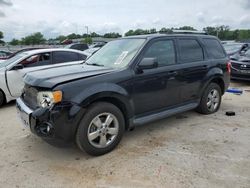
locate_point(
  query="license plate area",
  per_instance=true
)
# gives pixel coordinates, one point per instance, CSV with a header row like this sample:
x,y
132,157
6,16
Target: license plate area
x,y
23,113
245,71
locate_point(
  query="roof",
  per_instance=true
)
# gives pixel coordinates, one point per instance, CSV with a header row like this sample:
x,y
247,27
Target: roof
x,y
158,35
36,51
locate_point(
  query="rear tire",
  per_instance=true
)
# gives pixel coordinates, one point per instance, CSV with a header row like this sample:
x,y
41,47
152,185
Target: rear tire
x,y
100,129
211,99
2,98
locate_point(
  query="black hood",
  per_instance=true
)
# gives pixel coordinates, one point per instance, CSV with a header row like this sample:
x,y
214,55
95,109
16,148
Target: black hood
x,y
49,78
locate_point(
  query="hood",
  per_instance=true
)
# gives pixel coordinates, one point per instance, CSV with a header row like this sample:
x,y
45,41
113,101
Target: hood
x,y
241,58
49,78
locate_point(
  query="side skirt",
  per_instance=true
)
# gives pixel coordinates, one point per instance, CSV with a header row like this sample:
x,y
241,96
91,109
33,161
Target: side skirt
x,y
163,114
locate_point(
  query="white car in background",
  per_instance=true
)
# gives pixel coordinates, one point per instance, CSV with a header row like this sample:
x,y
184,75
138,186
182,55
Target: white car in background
x,y
12,70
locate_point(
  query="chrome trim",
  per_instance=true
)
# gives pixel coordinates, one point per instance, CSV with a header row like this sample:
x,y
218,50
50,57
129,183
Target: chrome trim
x,y
22,106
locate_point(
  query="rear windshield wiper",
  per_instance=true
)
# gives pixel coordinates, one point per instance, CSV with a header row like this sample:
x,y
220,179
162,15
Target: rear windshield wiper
x,y
95,64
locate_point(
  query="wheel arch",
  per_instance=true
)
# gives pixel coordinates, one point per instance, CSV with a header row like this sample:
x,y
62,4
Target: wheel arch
x,y
123,102
4,96
220,82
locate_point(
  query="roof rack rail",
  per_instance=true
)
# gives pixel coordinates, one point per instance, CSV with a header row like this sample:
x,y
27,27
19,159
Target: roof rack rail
x,y
189,32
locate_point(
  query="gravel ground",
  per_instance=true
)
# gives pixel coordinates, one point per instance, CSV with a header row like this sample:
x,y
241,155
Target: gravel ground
x,y
186,150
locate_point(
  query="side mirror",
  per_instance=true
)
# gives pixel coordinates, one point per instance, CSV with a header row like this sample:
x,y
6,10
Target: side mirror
x,y
148,63
17,67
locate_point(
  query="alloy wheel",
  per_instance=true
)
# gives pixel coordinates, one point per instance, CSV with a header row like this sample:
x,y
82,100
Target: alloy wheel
x,y
103,130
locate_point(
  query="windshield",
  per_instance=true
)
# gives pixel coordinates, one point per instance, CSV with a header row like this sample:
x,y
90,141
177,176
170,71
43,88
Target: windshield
x,y
116,54
11,60
232,47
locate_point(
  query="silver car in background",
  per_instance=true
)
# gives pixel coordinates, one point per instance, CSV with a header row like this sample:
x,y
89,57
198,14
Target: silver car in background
x,y
12,70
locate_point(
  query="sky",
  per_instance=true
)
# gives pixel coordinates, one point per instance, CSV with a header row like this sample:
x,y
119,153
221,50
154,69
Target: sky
x,y
19,18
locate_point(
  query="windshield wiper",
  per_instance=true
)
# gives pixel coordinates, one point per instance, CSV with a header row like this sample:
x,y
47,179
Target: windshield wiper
x,y
95,64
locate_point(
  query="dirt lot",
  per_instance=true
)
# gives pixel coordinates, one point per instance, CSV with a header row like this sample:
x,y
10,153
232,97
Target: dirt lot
x,y
187,150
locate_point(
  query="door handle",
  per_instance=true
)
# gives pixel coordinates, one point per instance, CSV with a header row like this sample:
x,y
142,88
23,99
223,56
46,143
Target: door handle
x,y
172,73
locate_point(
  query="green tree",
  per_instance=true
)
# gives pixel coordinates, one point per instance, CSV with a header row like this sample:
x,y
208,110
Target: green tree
x,y
61,38
236,34
210,30
140,32
93,34
129,33
1,34
244,34
36,38
74,36
152,31
1,37
14,42
187,28
88,40
166,30
111,35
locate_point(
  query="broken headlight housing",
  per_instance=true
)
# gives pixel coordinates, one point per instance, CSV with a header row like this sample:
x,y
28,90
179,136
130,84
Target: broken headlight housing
x,y
48,98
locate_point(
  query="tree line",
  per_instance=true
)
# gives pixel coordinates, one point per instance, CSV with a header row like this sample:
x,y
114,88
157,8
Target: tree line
x,y
38,38
222,32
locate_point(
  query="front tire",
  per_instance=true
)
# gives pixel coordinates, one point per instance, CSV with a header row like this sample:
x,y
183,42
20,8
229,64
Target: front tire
x,y
211,99
101,129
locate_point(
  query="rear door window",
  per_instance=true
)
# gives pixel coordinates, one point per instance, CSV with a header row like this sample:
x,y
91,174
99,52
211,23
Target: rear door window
x,y
37,60
214,48
190,51
63,57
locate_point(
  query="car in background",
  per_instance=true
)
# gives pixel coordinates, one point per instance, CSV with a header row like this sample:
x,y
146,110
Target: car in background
x,y
19,51
12,70
233,48
241,66
91,51
97,44
77,46
4,54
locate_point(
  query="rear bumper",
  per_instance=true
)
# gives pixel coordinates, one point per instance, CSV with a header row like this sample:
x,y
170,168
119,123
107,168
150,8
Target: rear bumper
x,y
59,122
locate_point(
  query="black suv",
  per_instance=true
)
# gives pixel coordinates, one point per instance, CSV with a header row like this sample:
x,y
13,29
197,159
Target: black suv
x,y
128,82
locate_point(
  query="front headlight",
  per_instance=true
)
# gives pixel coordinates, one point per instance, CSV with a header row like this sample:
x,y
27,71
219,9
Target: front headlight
x,y
47,98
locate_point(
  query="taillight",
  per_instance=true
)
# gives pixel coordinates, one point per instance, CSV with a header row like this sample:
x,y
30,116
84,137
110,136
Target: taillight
x,y
229,67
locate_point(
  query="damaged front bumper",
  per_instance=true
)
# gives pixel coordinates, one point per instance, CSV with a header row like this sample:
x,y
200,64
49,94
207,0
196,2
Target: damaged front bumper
x,y
57,122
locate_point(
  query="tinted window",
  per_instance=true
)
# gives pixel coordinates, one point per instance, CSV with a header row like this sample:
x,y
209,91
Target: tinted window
x,y
37,60
79,47
214,49
162,50
63,57
190,50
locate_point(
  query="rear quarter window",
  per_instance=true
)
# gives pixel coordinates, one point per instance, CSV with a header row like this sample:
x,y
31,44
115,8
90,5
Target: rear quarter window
x,y
214,48
64,56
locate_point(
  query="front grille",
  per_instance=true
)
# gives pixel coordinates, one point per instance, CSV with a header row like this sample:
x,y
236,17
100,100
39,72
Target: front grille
x,y
30,96
240,66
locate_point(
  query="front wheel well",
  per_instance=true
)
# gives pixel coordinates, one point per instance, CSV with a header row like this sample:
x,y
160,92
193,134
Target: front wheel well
x,y
4,97
118,104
